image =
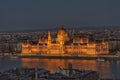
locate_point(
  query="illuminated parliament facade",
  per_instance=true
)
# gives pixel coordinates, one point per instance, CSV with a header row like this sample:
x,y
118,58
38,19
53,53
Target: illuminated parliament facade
x,y
63,44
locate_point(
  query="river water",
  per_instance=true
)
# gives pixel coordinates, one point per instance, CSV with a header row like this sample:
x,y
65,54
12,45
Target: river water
x,y
106,69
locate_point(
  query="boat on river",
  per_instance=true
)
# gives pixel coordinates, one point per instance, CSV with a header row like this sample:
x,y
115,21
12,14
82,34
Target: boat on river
x,y
100,60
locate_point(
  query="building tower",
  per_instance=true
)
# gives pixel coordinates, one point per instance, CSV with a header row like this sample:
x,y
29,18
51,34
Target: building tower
x,y
62,36
49,39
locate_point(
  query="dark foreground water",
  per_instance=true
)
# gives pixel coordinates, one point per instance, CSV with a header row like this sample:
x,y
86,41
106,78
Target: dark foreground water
x,y
107,69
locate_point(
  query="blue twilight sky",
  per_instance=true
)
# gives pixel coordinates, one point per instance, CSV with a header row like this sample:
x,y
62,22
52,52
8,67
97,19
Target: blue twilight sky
x,y
37,14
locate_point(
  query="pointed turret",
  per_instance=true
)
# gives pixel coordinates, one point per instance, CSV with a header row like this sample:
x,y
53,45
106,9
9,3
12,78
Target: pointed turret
x,y
49,38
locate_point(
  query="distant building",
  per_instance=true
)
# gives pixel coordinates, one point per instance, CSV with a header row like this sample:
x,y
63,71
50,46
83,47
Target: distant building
x,y
63,44
114,44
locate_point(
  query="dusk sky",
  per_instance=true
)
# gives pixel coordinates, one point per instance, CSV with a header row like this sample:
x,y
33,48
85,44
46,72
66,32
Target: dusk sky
x,y
38,14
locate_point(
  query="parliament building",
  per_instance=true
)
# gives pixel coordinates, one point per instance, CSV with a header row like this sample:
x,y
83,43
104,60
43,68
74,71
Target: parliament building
x,y
63,44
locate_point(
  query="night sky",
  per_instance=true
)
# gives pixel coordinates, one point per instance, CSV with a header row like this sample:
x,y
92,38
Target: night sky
x,y
39,14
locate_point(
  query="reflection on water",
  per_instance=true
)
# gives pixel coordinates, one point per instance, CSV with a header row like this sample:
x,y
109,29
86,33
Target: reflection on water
x,y
104,68
107,69
115,69
7,63
50,64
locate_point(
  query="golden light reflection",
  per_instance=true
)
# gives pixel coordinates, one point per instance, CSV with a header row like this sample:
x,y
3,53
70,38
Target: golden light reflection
x,y
50,64
53,64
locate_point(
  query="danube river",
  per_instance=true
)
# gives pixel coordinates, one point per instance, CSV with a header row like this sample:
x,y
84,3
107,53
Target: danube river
x,y
107,69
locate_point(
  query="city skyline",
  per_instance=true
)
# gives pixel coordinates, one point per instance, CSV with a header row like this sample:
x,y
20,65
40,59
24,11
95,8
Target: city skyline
x,y
29,14
59,39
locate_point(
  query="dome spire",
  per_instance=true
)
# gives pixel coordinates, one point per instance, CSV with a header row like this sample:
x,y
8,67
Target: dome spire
x,y
61,27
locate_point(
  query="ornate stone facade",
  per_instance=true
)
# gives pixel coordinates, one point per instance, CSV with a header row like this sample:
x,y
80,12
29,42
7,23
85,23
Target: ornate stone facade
x,y
64,45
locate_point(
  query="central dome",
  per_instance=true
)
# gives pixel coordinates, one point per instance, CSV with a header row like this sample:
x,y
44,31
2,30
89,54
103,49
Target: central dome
x,y
62,31
62,36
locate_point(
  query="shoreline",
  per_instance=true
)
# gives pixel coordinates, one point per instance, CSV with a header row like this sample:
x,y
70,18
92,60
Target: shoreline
x,y
85,57
81,57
